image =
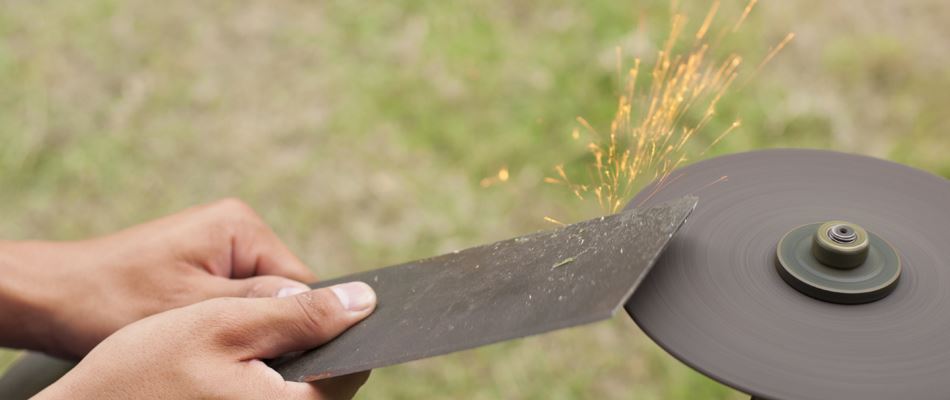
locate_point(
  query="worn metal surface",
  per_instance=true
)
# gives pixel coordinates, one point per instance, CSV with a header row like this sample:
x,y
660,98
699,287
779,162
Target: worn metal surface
x,y
715,301
510,289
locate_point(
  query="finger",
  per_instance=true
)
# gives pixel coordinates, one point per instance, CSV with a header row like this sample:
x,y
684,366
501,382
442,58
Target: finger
x,y
258,251
339,387
267,328
256,248
258,286
274,386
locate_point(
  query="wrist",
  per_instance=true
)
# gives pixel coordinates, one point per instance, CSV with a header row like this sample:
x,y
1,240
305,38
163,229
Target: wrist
x,y
27,301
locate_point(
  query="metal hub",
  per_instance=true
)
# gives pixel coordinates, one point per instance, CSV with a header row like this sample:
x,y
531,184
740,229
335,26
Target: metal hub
x,y
842,233
838,262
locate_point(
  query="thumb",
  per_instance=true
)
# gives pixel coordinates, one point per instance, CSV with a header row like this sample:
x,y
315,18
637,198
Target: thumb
x,y
274,326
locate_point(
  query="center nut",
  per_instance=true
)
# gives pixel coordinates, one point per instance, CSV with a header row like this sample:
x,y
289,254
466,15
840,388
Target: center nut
x,y
840,245
838,262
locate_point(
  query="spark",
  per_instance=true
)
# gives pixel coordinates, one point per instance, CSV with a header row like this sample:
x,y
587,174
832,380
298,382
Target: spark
x,y
721,179
745,14
554,221
774,51
500,177
650,132
701,33
503,175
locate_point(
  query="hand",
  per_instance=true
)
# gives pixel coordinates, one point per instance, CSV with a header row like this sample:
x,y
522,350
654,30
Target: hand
x,y
65,297
213,350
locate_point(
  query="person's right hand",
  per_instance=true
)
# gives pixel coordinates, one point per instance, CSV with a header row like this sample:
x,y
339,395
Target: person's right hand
x,y
63,298
213,349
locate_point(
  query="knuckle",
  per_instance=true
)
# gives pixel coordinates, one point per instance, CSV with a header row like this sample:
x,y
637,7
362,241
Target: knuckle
x,y
231,203
317,314
233,215
234,208
222,319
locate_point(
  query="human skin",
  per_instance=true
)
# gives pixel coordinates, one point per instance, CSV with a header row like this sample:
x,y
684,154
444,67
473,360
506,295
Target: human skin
x,y
64,298
212,350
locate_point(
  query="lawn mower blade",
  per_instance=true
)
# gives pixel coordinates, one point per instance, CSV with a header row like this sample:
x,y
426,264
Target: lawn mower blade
x,y
573,275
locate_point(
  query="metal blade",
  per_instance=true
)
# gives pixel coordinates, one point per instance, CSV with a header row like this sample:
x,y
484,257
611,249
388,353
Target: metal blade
x,y
524,286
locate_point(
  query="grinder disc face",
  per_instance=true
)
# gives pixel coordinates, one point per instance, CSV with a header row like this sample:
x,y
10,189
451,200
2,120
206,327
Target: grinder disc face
x,y
716,302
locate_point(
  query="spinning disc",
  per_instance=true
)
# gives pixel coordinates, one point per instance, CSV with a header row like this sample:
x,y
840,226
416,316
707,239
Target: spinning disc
x,y
717,299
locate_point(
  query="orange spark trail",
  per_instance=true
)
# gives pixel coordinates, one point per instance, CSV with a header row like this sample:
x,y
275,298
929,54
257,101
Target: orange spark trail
x,y
650,133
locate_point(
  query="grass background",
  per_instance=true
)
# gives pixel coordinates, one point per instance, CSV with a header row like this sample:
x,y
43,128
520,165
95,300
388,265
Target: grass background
x,y
360,132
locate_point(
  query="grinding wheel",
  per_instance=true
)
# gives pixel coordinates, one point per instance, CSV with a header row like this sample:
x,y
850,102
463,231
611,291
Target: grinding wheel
x,y
716,299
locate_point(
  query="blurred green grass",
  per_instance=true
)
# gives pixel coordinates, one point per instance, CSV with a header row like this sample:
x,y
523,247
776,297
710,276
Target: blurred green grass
x,y
360,132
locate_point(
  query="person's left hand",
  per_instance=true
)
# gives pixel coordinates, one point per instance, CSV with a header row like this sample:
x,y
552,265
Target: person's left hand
x,y
72,295
213,350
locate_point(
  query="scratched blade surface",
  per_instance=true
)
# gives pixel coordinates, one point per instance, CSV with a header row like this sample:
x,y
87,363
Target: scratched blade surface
x,y
524,286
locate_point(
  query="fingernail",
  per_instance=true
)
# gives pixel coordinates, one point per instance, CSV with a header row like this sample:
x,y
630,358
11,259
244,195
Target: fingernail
x,y
290,291
355,296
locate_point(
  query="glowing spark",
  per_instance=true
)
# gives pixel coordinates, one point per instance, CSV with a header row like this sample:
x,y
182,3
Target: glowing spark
x,y
554,221
774,51
650,133
745,13
500,177
503,175
701,33
723,178
735,124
